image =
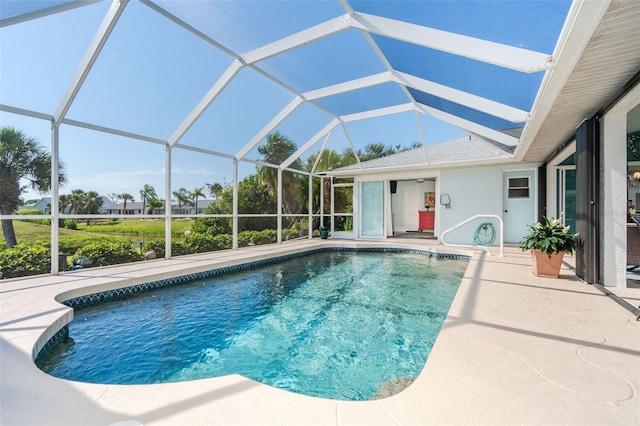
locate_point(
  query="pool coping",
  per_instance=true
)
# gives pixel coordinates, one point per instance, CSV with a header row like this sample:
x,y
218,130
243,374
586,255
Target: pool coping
x,y
499,301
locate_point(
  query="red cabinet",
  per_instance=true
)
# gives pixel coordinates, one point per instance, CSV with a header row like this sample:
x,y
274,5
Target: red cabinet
x,y
427,220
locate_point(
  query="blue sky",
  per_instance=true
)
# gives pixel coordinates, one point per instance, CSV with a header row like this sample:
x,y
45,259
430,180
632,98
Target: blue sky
x,y
151,74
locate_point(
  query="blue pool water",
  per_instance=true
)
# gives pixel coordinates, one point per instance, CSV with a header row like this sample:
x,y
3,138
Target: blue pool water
x,y
340,325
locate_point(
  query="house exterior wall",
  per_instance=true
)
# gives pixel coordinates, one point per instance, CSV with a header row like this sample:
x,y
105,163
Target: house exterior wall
x,y
613,191
473,190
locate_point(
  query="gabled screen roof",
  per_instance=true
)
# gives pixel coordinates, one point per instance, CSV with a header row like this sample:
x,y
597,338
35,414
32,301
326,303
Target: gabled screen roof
x,y
220,76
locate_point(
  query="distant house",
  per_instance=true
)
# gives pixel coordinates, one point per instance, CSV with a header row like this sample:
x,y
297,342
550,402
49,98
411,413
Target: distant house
x,y
135,208
44,205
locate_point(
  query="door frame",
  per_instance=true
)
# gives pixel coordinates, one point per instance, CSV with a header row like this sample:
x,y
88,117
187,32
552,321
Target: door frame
x,y
561,192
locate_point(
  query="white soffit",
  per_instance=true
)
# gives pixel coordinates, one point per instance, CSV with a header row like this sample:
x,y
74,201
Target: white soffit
x,y
581,22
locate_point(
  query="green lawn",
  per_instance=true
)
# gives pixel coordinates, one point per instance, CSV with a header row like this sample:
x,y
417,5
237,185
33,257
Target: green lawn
x,y
136,227
31,233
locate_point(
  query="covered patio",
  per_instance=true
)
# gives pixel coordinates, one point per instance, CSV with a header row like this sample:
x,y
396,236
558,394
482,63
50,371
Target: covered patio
x,y
523,350
128,92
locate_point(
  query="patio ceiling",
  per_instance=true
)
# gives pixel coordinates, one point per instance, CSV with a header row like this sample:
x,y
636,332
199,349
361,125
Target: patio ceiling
x,y
309,69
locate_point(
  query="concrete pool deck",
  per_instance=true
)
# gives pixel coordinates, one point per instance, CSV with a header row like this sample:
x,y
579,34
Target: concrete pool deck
x,y
514,349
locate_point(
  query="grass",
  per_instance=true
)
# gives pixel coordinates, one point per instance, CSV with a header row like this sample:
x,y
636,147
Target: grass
x,y
136,227
31,233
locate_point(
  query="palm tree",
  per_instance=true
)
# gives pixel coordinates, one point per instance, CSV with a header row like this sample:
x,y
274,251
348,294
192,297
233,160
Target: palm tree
x,y
198,192
64,201
125,197
146,193
77,201
278,149
182,197
215,189
22,159
91,203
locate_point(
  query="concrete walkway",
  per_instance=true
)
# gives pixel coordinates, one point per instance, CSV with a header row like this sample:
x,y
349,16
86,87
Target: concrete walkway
x,y
515,349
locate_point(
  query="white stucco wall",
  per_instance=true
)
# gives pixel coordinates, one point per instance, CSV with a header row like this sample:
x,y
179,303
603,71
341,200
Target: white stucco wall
x,y
613,191
473,190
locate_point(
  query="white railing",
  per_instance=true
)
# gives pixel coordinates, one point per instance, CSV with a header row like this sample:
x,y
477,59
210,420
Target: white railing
x,y
490,216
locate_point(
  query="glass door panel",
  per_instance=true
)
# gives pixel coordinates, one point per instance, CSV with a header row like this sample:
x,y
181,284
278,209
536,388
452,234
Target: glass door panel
x,y
372,212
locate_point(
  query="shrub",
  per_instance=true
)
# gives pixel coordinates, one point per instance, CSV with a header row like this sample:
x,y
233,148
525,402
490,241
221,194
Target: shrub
x,y
103,253
70,224
23,260
201,243
266,236
157,246
34,212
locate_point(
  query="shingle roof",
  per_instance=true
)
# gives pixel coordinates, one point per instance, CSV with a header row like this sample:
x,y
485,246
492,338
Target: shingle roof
x,y
464,148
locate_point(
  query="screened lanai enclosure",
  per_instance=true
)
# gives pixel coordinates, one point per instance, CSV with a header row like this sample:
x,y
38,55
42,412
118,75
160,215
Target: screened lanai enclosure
x,y
232,117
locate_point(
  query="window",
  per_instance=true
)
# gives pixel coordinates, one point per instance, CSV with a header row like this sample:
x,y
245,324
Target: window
x,y
519,187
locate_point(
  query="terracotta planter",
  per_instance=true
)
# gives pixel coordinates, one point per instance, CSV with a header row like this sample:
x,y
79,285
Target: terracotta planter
x,y
545,265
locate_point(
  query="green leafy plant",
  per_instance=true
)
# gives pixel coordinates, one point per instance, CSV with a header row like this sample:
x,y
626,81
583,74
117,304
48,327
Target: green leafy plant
x,y
202,243
103,253
549,236
23,260
157,245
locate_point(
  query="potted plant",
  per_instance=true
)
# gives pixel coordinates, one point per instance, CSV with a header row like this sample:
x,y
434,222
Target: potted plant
x,y
548,241
324,233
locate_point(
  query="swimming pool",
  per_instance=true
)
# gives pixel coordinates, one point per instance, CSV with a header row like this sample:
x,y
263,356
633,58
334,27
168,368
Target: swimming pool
x,y
341,325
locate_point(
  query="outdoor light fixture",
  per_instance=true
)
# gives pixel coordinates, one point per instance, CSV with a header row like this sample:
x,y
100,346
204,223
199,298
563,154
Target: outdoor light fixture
x,y
634,179
445,200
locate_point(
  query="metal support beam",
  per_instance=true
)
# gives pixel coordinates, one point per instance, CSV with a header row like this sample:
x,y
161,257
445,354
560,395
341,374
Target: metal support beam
x,y
98,42
204,103
234,244
298,39
269,127
481,50
324,145
40,13
310,215
55,200
380,112
310,143
348,86
280,206
470,126
478,103
167,203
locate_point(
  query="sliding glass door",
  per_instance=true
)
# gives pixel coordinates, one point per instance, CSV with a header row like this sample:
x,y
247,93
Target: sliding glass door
x,y
566,190
372,211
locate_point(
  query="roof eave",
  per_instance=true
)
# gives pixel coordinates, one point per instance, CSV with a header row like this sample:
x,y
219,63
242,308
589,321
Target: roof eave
x,y
582,20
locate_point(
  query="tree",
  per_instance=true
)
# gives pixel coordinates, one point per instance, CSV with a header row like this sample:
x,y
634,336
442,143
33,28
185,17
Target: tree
x,y
91,203
198,192
64,201
215,189
153,204
146,193
77,200
278,149
183,198
125,197
22,159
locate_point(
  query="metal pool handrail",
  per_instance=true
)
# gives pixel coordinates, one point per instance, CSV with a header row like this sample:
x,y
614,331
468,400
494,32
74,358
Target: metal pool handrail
x,y
490,216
